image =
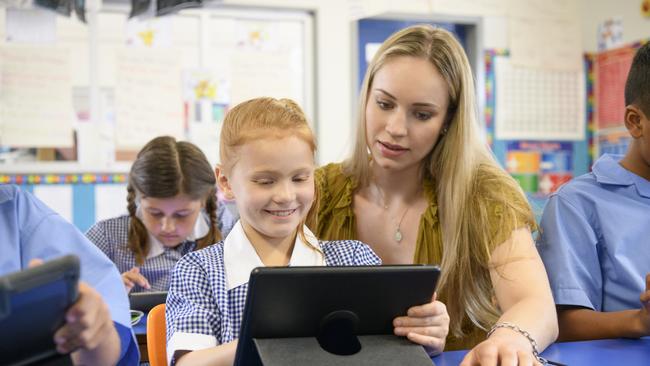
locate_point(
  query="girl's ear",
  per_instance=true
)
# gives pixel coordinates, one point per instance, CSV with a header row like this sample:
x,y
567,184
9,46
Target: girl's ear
x,y
224,183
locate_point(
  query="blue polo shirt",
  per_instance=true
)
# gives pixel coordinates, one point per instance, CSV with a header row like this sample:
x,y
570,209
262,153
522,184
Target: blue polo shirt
x,y
29,229
595,238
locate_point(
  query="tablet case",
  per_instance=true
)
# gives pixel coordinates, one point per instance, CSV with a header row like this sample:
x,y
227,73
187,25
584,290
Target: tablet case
x,y
332,315
33,303
145,301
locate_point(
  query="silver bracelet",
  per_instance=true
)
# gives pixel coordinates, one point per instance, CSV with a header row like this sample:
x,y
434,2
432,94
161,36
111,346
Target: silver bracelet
x,y
524,333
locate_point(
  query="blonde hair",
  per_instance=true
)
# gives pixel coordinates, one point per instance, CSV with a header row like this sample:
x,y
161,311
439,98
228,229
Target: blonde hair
x,y
265,118
455,163
165,168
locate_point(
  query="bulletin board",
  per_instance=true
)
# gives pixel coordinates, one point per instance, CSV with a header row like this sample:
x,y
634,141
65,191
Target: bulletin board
x,y
611,68
541,165
176,75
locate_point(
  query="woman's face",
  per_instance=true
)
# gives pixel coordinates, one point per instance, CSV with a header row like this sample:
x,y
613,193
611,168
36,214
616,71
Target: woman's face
x,y
406,109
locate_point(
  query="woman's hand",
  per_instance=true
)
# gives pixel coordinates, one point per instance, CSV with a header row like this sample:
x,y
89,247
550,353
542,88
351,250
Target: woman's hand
x,y
133,277
504,347
426,324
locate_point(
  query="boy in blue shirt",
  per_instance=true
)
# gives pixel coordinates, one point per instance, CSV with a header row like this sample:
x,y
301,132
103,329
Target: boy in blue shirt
x,y
98,328
595,237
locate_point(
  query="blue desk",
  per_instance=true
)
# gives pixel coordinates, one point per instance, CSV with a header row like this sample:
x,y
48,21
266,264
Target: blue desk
x,y
615,352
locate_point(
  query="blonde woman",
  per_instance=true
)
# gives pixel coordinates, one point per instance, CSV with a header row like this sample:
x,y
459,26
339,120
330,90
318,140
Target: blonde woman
x,y
422,187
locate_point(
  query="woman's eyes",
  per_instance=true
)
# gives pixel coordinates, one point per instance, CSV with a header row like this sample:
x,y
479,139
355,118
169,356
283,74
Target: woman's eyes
x,y
422,116
419,115
384,105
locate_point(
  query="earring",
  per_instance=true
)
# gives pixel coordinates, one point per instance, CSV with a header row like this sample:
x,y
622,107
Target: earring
x,y
444,131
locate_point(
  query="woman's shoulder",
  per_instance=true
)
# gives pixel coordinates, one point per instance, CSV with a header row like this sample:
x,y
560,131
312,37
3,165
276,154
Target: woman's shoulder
x,y
335,187
348,253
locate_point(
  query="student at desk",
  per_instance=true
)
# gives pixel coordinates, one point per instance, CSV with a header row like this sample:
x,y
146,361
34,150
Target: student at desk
x,y
98,328
595,237
173,210
267,157
422,187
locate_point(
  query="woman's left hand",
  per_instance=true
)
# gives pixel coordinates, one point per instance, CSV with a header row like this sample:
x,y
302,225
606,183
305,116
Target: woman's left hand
x,y
426,324
505,348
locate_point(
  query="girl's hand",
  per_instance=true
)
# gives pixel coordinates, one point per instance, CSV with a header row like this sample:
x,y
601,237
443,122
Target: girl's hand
x,y
426,324
505,347
133,277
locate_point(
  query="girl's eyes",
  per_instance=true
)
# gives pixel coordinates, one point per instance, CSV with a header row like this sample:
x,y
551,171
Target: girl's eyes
x,y
301,178
263,181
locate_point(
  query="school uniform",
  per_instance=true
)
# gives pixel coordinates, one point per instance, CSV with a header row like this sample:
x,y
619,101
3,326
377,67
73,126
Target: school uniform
x,y
111,236
29,229
595,238
208,288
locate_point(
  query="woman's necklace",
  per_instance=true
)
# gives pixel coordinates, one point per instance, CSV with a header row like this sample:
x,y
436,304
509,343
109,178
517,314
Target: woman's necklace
x,y
398,232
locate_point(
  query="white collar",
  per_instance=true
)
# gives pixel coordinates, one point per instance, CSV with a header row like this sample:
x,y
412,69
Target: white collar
x,y
201,228
240,258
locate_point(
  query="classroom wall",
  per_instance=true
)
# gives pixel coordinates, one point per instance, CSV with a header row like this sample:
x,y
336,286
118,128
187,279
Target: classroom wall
x,y
595,12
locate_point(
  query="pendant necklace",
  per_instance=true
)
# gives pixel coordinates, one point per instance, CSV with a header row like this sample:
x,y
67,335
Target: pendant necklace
x,y
398,232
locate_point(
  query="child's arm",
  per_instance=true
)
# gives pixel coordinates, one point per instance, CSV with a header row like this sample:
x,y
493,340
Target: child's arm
x,y
89,330
523,294
578,323
221,355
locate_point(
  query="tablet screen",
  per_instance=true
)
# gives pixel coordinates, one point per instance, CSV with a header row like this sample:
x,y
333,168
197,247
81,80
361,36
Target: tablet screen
x,y
287,302
33,303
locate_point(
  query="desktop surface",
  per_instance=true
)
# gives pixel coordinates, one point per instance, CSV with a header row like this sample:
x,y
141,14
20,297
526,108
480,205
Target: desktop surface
x,y
605,352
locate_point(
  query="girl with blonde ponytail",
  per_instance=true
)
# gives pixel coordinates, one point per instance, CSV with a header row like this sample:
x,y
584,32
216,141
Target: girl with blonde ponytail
x,y
172,210
422,187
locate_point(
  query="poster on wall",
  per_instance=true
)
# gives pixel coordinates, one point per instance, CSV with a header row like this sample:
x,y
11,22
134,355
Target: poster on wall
x,y
613,141
612,68
540,167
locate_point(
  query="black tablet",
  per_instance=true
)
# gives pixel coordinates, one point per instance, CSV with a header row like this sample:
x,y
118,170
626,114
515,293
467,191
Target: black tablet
x,y
33,303
289,302
145,301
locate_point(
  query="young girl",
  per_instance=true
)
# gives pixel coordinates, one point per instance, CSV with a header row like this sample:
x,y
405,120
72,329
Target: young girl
x,y
172,210
422,187
267,157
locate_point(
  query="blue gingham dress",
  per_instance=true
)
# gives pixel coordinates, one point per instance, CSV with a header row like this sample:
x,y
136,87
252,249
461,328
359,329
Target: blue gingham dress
x,y
199,302
111,237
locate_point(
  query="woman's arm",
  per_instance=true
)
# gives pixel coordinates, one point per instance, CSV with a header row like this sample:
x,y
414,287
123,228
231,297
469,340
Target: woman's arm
x,y
221,355
523,294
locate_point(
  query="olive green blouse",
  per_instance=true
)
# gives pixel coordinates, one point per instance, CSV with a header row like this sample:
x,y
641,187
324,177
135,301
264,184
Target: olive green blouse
x,y
336,221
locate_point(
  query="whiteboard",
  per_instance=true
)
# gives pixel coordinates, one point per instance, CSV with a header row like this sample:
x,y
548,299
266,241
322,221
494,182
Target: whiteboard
x,y
147,89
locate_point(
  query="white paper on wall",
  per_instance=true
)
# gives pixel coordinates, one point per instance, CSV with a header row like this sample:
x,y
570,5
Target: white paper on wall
x,y
110,201
31,25
471,7
57,197
36,97
546,44
148,97
538,104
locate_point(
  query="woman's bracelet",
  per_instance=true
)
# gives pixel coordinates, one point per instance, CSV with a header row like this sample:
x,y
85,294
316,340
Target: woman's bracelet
x,y
524,333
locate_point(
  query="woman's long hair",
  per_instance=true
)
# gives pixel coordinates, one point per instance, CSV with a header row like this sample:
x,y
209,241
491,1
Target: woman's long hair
x,y
461,165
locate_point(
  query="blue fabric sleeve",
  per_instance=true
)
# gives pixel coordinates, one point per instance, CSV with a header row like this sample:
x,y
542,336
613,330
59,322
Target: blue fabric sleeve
x,y
129,354
568,245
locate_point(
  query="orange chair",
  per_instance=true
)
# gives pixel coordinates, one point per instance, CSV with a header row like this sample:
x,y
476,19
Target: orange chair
x,y
157,336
